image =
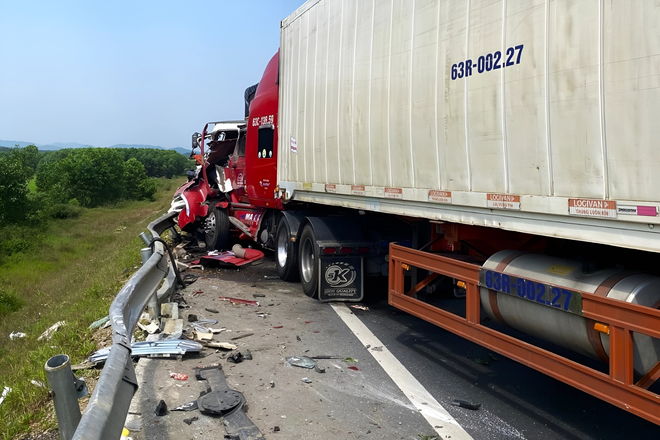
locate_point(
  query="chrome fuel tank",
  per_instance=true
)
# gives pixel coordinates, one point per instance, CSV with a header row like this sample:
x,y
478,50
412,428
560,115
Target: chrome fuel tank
x,y
541,296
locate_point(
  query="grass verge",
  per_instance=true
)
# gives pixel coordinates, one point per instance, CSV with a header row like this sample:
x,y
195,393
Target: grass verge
x,y
72,275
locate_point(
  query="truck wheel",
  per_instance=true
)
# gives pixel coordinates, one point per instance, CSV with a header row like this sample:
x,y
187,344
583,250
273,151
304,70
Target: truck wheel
x,y
216,228
286,252
309,262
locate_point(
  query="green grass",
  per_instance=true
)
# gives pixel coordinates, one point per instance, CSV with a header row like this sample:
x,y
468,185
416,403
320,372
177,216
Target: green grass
x,y
71,274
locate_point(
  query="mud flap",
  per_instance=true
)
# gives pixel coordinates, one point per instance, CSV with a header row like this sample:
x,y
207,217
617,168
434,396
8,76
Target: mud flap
x,y
341,279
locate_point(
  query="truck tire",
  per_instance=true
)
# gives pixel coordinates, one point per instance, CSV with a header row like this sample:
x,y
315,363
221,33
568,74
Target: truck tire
x,y
286,252
309,262
216,229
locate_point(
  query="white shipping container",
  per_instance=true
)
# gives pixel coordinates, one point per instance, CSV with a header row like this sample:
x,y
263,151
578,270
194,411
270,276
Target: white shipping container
x,y
535,116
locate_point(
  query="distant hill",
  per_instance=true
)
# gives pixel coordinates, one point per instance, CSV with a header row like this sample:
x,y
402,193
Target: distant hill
x,y
63,145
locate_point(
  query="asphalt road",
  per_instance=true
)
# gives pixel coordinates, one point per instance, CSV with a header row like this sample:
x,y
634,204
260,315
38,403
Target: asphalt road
x,y
343,403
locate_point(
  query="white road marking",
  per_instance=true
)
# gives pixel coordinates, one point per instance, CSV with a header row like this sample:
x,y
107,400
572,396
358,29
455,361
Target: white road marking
x,y
443,423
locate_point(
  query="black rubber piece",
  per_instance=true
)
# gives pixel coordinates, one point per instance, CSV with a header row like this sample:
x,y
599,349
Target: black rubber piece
x,y
466,404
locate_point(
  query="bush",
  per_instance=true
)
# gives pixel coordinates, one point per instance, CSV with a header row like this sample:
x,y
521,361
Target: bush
x,y
63,210
9,302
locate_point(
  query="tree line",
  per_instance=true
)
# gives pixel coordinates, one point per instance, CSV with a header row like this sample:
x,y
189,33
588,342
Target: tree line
x,y
83,177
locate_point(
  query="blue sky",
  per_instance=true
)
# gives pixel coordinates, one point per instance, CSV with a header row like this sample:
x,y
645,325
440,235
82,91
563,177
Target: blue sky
x,y
130,72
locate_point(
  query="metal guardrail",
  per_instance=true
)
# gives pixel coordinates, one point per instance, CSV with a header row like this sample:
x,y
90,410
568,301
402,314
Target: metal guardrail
x,y
107,408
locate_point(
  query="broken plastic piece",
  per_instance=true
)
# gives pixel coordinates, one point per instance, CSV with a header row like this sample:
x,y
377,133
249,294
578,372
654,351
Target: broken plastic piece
x,y
161,408
13,335
190,406
236,358
301,361
5,391
210,310
190,420
306,380
240,301
223,345
99,323
278,326
179,376
353,368
356,306
248,355
466,404
201,337
319,369
151,328
351,360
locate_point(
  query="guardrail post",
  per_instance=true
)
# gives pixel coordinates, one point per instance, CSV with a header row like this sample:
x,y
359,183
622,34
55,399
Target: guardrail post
x,y
65,399
152,306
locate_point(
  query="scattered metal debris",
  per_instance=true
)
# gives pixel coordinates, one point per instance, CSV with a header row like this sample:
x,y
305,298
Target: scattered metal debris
x,y
466,404
258,295
99,323
164,348
301,361
239,301
161,408
306,380
16,335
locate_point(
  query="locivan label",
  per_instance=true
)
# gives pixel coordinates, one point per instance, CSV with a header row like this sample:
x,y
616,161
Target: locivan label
x,y
358,190
647,211
393,193
439,196
330,188
592,208
503,201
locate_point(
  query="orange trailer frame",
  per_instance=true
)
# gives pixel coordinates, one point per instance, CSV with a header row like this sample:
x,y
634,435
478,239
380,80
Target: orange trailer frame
x,y
617,387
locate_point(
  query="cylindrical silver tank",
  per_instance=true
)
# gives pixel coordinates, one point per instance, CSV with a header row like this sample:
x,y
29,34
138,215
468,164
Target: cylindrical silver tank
x,y
563,328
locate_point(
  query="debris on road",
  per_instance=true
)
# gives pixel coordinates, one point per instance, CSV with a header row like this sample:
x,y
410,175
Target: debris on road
x,y
210,310
99,323
161,408
319,369
202,336
223,401
379,348
179,376
223,345
192,318
164,348
351,360
242,336
466,404
272,384
359,307
353,368
300,361
190,406
151,328
306,380
190,420
278,326
481,361
240,301
16,335
235,358
258,295
248,355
